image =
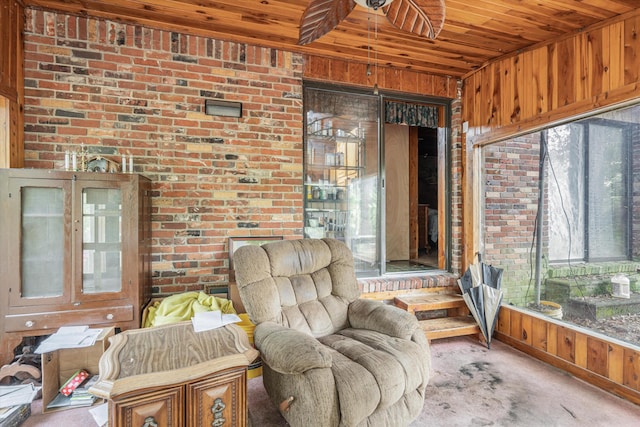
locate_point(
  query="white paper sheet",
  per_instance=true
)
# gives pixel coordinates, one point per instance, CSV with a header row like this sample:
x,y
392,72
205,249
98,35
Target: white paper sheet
x,y
13,395
72,330
83,336
100,414
204,321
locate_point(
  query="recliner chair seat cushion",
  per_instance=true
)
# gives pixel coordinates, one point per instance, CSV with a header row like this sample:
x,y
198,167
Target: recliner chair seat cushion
x,y
386,367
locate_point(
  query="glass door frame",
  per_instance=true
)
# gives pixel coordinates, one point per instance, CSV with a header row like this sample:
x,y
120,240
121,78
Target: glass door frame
x,y
78,288
444,164
16,189
444,173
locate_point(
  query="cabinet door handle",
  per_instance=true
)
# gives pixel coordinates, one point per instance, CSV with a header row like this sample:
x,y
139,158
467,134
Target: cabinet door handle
x,y
110,316
218,413
150,422
29,323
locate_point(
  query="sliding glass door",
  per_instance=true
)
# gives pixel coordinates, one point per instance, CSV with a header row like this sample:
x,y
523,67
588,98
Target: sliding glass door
x,y
341,181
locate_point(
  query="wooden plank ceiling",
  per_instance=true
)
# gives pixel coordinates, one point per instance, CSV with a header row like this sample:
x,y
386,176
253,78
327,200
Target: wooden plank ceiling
x,y
474,32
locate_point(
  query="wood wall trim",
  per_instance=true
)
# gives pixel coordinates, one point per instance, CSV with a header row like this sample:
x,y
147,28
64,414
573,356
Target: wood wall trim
x,y
5,141
12,84
605,362
11,134
413,193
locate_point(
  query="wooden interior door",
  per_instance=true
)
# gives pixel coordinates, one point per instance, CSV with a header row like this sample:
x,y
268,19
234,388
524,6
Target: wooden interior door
x,y
396,149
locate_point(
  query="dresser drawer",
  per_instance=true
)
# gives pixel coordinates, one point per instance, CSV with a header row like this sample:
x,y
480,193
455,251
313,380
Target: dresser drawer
x,y
55,319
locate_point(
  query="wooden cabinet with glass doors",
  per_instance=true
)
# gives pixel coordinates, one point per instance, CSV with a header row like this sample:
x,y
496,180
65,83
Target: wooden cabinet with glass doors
x,y
334,157
75,250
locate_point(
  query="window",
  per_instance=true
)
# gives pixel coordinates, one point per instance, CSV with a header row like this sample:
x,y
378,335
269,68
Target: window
x,y
586,231
588,191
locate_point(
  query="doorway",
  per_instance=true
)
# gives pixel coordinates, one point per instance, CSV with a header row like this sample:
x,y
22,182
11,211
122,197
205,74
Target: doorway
x,y
427,176
411,196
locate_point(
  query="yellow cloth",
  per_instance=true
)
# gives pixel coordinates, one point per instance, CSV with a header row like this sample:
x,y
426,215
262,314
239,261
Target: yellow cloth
x,y
181,307
247,325
255,368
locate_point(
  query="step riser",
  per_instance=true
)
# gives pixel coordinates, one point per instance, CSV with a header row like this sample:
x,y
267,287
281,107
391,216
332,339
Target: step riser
x,y
429,302
434,335
457,323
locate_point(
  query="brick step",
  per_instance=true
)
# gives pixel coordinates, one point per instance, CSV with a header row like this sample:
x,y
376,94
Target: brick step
x,y
428,302
447,327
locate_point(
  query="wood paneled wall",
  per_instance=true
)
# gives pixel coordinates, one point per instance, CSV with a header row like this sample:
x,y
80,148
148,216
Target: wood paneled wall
x,y
11,84
590,70
596,68
401,80
602,361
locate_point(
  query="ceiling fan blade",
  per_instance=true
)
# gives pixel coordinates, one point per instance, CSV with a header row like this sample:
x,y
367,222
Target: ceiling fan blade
x,y
422,17
322,16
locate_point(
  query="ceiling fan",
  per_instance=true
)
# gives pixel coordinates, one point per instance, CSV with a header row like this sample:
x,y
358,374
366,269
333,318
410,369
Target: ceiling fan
x,y
422,17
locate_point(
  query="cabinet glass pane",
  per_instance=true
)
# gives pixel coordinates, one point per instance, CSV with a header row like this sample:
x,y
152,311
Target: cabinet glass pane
x,y
42,265
101,240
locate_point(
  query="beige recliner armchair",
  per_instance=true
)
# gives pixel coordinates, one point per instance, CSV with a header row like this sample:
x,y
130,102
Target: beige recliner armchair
x,y
330,358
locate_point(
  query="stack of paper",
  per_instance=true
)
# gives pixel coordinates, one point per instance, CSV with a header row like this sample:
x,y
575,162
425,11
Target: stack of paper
x,y
13,395
79,397
69,337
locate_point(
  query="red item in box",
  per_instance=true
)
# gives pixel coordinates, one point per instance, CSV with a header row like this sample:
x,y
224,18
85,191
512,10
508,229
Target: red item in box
x,y
74,382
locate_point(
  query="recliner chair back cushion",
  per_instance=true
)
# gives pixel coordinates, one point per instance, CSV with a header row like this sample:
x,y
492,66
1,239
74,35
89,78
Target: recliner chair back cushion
x,y
314,287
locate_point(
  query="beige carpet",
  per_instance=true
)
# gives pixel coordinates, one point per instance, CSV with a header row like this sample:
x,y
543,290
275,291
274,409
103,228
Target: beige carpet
x,y
470,386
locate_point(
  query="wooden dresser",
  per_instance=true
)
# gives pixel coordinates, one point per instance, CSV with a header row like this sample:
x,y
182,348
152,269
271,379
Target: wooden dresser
x,y
172,376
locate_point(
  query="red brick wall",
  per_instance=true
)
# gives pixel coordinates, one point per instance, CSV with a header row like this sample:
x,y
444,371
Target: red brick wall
x,y
510,206
457,154
120,88
129,89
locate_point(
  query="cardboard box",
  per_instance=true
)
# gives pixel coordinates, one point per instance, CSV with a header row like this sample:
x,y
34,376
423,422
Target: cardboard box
x,y
58,366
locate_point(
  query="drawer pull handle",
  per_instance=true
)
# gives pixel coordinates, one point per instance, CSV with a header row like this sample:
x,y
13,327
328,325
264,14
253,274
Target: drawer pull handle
x,y
29,323
150,422
110,316
218,412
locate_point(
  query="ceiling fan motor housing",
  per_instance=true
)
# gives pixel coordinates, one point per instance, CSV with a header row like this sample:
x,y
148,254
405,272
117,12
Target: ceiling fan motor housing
x,y
374,4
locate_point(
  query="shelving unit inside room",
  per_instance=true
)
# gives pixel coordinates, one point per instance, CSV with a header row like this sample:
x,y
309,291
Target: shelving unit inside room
x,y
334,161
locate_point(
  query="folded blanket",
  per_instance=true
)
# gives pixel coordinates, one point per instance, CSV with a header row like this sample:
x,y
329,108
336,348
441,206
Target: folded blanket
x,y
181,307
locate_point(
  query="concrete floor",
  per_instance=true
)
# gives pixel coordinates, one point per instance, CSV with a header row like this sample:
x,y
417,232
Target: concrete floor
x,y
474,386
470,386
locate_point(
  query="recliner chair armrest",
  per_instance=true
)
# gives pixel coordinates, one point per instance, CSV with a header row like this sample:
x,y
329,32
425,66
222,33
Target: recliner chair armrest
x,y
383,318
289,351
